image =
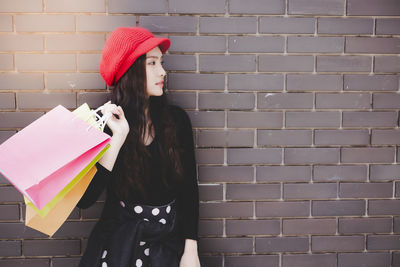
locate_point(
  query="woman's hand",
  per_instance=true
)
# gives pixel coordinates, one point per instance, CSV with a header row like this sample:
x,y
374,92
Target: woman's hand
x,y
190,257
119,126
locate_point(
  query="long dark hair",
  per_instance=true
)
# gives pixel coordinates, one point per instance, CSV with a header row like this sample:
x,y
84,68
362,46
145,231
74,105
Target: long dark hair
x,y
130,94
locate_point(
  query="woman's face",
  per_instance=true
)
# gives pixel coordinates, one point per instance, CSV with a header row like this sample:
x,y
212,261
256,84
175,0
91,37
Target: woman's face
x,y
155,73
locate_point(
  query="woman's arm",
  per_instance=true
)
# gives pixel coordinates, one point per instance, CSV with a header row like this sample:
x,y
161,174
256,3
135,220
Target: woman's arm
x,y
190,257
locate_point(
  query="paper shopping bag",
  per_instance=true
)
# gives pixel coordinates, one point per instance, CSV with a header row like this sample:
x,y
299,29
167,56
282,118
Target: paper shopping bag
x,y
60,212
86,114
45,156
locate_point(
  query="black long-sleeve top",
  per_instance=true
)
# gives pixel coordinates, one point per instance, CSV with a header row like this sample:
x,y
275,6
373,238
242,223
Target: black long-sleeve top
x,y
185,193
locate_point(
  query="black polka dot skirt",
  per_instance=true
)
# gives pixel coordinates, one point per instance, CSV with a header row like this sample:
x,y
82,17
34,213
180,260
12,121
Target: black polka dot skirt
x,y
151,214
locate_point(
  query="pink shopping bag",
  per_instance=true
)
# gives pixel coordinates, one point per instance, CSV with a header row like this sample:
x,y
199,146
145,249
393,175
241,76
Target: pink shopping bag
x,y
45,156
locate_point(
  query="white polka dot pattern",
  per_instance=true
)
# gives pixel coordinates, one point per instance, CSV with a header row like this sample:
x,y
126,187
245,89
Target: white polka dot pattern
x,y
138,209
168,210
155,211
122,204
142,243
147,252
104,254
104,264
139,263
163,221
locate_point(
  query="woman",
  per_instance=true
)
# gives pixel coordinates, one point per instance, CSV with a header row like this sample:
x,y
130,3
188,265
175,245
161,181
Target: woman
x,y
150,216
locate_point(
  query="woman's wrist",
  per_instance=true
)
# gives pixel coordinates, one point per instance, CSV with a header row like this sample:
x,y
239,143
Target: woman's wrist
x,y
190,246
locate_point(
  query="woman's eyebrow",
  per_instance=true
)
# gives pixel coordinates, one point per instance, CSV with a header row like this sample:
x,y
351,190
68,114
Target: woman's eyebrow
x,y
153,57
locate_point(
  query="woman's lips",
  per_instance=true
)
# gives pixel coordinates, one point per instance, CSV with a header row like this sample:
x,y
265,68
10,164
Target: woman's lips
x,y
160,83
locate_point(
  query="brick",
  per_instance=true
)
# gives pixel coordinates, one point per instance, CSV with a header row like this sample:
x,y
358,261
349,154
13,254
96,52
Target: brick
x,y
384,242
169,24
25,262
207,227
240,119
368,45
65,262
195,7
10,248
209,119
366,190
4,135
228,25
384,172
221,63
388,26
226,245
325,7
323,44
23,81
88,62
285,63
220,138
18,119
215,261
370,7
387,64
283,209
341,137
179,62
343,64
396,226
253,191
259,82
359,82
309,260
45,101
253,227
396,259
94,100
284,101
340,173
385,137
369,119
286,25
21,6
9,212
192,81
93,212
282,244
328,119
256,7
75,229
283,173
386,100
6,23
251,260
310,191
51,247
75,6
254,155
284,137
44,23
7,101
338,208
337,243
14,230
182,99
364,225
368,155
309,226
75,42
198,44
384,207
364,259
226,210
20,42
210,156
260,44
226,101
101,23
225,174
346,25
210,192
49,62
314,82
136,6
343,101
6,62
74,81
311,155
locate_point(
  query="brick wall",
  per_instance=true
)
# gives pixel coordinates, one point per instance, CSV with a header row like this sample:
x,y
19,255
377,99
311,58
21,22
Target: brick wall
x,y
295,107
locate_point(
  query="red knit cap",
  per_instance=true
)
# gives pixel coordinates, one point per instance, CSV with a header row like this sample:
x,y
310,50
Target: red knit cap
x,y
123,47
